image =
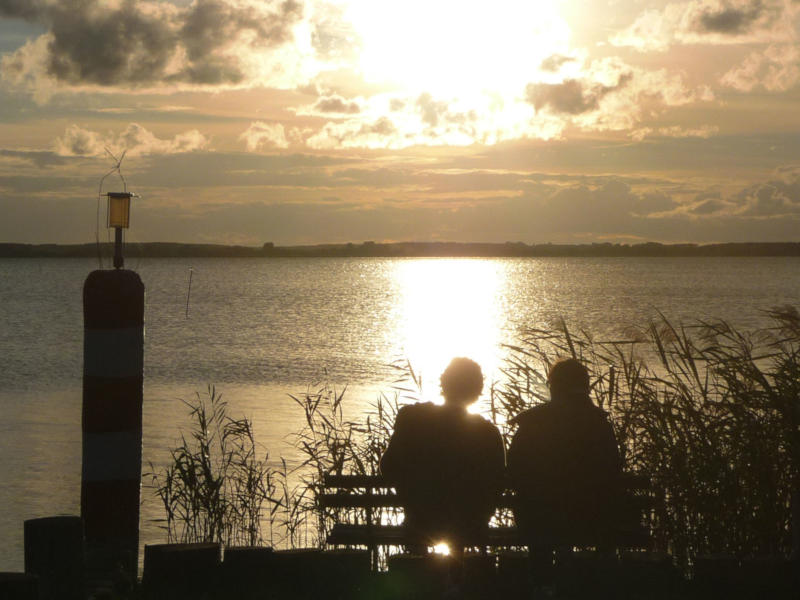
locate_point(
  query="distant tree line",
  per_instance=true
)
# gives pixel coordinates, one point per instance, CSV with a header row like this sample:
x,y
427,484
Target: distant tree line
x,y
401,249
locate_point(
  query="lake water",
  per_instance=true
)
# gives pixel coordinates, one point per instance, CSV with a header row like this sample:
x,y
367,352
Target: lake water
x,y
263,328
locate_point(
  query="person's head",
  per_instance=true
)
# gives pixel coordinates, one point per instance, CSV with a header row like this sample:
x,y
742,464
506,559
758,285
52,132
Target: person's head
x,y
568,380
462,382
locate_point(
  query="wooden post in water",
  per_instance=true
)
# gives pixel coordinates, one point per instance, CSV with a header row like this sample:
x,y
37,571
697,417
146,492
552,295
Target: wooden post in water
x,y
54,555
18,586
113,356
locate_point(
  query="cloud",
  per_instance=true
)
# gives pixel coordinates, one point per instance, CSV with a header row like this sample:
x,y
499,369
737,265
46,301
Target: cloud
x,y
653,30
652,203
390,122
555,62
77,141
607,206
335,104
768,200
22,9
370,134
607,95
209,25
264,134
730,19
709,206
571,97
38,158
430,110
775,198
135,140
380,133
333,36
612,95
776,69
152,44
618,208
710,22
675,131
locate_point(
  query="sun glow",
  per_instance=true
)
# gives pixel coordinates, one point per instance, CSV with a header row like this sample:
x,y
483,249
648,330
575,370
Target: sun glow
x,y
456,48
442,548
449,308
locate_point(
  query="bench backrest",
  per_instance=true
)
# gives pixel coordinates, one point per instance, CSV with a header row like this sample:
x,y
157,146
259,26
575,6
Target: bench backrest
x,y
372,491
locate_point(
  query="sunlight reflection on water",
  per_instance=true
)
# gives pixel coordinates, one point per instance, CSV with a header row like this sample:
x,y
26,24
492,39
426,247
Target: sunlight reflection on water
x,y
449,308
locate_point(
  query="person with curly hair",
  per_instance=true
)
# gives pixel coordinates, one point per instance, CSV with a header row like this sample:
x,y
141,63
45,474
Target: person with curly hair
x,y
446,464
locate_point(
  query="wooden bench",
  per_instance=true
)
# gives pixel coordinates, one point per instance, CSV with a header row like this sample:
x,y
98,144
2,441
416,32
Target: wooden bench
x,y
356,502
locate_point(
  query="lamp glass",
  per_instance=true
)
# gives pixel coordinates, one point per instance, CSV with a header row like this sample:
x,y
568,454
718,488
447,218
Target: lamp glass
x,y
119,210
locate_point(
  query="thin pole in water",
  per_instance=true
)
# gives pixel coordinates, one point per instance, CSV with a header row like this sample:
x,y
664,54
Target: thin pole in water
x,y
189,291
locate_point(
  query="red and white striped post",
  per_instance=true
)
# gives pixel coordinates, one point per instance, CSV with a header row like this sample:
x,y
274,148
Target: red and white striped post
x,y
113,356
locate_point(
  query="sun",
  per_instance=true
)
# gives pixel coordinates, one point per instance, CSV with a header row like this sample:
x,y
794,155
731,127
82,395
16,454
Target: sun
x,y
442,548
452,48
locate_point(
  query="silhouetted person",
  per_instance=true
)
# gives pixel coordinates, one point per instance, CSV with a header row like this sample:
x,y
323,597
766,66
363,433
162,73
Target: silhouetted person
x,y
564,464
445,463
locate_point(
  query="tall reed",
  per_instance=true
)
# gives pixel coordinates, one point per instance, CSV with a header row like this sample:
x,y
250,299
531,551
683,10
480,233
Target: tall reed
x,y
216,486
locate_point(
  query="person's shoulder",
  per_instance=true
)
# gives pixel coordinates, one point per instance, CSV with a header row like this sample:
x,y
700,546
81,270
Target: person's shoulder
x,y
417,407
481,422
599,413
416,410
532,414
475,418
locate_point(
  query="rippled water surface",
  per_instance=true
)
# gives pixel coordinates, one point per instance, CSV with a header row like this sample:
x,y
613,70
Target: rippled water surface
x,y
262,328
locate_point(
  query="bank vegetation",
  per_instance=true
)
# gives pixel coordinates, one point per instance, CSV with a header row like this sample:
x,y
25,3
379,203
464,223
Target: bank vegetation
x,y
710,413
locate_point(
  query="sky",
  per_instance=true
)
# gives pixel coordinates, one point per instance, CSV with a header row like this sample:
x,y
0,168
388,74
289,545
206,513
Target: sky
x,y
333,121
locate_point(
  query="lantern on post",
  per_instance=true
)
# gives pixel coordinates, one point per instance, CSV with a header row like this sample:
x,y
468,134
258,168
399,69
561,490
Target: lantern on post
x,y
119,209
119,217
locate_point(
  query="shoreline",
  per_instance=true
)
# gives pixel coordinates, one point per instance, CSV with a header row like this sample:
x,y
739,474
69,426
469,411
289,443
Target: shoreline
x,y
405,250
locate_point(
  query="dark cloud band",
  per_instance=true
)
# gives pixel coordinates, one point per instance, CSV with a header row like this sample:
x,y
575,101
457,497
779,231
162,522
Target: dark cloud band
x,y
731,20
138,43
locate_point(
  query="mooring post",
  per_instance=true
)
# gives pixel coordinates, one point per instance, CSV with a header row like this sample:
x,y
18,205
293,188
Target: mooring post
x,y
113,356
54,555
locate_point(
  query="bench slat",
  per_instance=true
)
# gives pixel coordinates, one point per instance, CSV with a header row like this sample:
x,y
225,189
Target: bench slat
x,y
353,481
354,501
632,482
395,535
390,500
372,492
364,535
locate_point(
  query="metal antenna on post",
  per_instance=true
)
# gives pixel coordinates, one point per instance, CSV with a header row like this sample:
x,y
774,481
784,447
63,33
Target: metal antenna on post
x,y
117,167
